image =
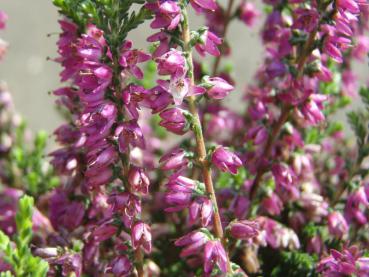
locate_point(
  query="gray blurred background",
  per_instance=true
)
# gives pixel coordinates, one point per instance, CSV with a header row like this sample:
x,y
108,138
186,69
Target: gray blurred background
x,y
32,31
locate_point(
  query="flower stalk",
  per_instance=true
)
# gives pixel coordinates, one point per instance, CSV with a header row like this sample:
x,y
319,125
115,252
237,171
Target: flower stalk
x,y
200,142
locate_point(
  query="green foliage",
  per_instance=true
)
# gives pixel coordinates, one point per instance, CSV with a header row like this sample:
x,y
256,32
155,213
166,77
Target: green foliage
x,y
18,254
30,170
115,18
294,264
227,180
359,121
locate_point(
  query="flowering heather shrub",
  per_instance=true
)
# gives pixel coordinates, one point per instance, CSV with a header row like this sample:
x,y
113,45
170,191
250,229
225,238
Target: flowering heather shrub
x,y
155,176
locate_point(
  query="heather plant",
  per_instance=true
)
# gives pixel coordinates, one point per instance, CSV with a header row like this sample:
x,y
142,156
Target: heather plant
x,y
158,177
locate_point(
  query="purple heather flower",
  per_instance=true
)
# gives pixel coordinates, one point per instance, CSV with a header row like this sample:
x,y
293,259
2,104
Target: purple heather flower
x,y
348,5
345,263
163,47
193,243
218,87
130,58
174,160
248,13
172,63
356,205
203,5
174,121
141,236
337,225
157,99
225,160
214,254
64,213
306,19
3,19
272,204
167,14
129,133
180,193
71,264
138,180
244,229
120,266
202,208
209,44
178,87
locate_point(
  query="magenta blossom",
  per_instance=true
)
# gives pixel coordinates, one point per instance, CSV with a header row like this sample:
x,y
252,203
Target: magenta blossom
x,y
214,254
141,236
209,44
244,229
248,13
225,160
218,88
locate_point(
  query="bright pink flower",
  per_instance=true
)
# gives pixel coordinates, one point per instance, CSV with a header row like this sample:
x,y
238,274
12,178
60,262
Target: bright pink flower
x,y
172,63
202,208
167,14
173,120
225,160
306,19
174,160
201,5
194,243
120,266
218,87
209,44
130,58
141,236
214,254
3,19
138,180
337,224
244,229
248,13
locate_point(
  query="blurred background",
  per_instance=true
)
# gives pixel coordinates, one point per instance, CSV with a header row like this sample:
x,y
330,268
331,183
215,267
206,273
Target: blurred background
x,y
32,31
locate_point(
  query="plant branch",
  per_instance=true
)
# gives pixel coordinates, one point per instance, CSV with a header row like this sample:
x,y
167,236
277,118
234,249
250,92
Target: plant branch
x,y
286,110
200,143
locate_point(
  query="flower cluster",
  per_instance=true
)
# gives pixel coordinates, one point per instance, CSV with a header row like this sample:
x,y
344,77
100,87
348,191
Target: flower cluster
x,y
276,188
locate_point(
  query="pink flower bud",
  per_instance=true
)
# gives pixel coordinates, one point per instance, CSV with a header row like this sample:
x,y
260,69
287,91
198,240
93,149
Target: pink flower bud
x,y
209,45
214,254
202,208
225,160
193,243
138,180
141,236
248,13
172,63
244,229
174,160
174,121
120,266
219,88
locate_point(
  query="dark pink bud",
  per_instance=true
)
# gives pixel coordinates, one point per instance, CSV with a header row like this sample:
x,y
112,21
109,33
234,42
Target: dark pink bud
x,y
120,266
138,180
248,13
173,120
225,160
172,63
214,254
174,160
219,88
141,236
244,229
193,243
202,208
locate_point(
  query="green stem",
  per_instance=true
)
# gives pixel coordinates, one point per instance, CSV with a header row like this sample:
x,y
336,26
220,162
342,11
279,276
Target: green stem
x,y
200,143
